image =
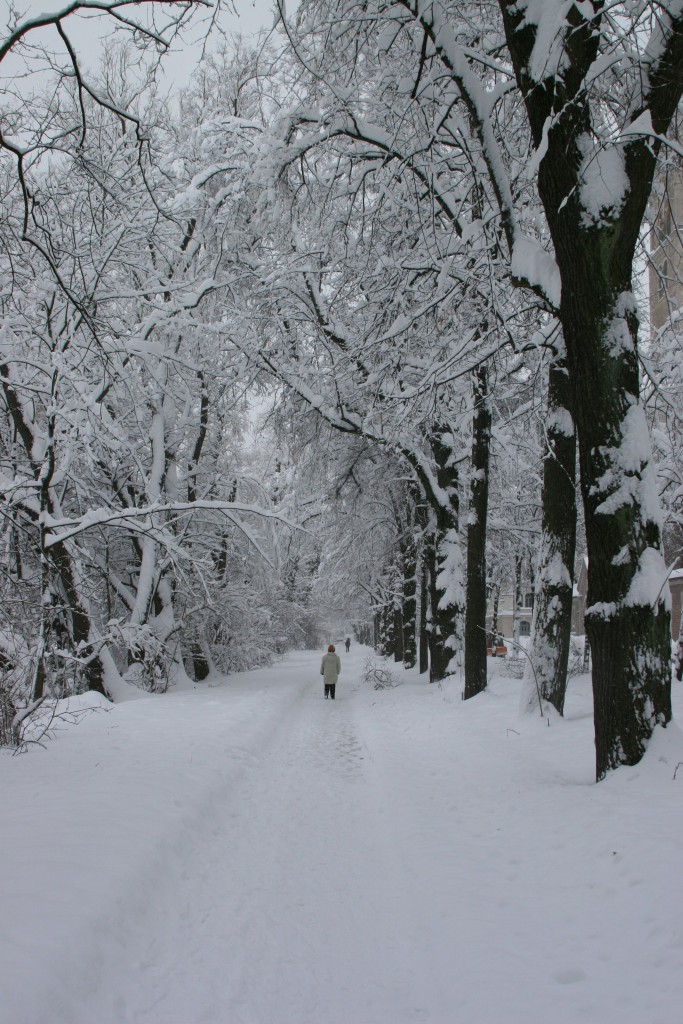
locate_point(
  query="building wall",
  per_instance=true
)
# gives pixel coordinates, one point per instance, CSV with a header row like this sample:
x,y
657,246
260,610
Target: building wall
x,y
666,249
666,298
506,616
676,587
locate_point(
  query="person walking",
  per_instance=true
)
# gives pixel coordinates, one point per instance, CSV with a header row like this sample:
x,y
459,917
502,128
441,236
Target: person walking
x,y
347,643
329,669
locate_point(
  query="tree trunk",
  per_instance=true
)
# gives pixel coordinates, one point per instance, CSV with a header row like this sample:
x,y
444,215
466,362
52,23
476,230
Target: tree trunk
x,y
516,605
56,560
398,633
447,591
627,615
388,645
200,662
586,661
553,604
424,630
495,600
438,654
409,602
627,618
475,604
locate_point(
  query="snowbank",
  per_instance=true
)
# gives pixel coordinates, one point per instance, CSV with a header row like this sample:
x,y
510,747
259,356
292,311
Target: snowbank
x,y
248,853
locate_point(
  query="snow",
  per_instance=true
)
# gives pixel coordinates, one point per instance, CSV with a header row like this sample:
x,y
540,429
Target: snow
x,y
549,17
631,470
449,578
650,583
560,421
248,853
530,262
554,572
604,182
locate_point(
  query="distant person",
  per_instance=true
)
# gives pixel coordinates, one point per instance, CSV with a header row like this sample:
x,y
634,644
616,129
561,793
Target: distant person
x,y
348,643
329,670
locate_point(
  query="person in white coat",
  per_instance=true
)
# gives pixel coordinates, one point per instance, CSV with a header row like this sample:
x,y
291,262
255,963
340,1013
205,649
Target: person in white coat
x,y
329,670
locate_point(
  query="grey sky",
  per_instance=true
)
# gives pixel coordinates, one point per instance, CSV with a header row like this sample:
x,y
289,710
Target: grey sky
x,y
87,33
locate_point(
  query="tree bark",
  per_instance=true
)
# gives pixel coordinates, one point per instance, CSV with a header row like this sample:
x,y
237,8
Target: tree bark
x,y
446,586
424,631
398,632
475,604
388,643
516,605
555,572
409,602
495,600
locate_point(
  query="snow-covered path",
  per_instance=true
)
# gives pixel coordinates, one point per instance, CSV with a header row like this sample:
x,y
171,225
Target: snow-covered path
x,y
250,853
291,906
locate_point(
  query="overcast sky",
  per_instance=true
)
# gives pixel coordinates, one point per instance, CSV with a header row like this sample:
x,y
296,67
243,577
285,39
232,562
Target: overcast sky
x,y
88,34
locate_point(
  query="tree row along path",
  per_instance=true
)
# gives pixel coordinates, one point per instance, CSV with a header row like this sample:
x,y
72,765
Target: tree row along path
x,y
250,853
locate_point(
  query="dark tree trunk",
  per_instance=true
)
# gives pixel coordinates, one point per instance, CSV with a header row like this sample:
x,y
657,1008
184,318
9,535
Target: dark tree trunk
x,y
495,600
627,620
446,570
586,662
424,607
553,610
16,548
56,561
199,662
438,654
398,633
442,547
409,601
80,631
475,604
516,605
388,645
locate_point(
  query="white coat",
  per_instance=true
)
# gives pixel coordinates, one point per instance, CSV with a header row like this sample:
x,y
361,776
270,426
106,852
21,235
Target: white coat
x,y
330,667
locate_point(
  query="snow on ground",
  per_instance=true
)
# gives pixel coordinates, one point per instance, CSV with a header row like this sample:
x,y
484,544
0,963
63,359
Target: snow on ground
x,y
249,853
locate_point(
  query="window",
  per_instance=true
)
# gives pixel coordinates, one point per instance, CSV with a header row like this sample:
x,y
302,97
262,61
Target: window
x,y
528,600
525,629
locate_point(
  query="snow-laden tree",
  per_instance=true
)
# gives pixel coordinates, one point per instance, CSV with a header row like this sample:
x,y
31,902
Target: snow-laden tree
x,y
121,425
575,99
357,556
367,302
600,86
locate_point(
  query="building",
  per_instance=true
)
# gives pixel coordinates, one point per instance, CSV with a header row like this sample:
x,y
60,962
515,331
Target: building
x,y
505,618
666,248
676,587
